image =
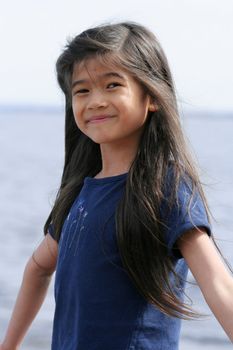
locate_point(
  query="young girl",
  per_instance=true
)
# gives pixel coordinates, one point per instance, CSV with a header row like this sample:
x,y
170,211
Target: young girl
x,y
130,216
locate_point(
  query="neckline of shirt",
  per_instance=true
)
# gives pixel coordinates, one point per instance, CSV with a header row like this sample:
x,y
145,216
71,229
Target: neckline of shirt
x,y
104,180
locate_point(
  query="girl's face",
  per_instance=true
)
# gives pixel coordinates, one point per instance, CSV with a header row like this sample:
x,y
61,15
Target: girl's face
x,y
108,104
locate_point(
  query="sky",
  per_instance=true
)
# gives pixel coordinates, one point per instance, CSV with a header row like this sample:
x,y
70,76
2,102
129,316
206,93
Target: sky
x,y
196,36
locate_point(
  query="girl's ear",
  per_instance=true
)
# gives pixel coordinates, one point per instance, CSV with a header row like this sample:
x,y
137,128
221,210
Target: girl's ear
x,y
152,107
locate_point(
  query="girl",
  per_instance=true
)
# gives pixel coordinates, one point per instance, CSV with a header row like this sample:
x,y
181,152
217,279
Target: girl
x,y
130,216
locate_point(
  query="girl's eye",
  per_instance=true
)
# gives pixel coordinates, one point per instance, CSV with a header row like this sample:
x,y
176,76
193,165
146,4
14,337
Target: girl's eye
x,y
81,91
112,85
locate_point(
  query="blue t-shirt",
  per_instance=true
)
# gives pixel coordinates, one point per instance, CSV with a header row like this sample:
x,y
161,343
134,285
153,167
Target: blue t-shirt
x,y
97,305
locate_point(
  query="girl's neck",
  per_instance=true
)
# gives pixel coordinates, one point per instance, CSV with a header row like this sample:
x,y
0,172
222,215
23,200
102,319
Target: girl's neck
x,y
102,174
116,160
115,167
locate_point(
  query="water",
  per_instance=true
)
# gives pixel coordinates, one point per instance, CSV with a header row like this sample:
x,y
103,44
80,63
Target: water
x,y
31,147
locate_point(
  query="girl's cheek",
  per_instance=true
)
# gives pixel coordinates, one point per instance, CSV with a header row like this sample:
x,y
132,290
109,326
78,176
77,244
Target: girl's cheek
x,y
75,108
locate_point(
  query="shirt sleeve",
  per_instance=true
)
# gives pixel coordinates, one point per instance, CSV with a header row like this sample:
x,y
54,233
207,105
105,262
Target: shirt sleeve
x,y
179,219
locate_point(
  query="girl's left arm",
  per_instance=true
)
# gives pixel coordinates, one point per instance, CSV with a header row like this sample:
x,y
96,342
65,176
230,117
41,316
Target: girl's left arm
x,y
211,274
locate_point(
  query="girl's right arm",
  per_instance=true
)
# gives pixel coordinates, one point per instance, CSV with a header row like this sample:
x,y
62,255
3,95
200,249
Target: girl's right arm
x,y
37,275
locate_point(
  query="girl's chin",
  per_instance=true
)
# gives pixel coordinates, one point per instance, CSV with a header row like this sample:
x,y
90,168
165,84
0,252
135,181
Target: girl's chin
x,y
101,139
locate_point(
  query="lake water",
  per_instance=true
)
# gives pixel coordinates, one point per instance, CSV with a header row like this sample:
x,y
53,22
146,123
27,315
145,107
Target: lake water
x,y
31,146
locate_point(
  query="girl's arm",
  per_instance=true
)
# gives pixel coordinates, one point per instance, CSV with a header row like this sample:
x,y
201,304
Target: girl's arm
x,y
37,275
214,279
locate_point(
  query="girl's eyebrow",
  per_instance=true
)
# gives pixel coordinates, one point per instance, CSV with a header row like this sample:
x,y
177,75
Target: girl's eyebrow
x,y
105,75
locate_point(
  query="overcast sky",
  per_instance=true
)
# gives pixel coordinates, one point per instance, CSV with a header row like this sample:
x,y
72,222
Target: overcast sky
x,y
195,34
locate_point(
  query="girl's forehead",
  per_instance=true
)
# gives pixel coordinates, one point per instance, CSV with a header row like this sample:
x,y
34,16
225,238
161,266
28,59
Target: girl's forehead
x,y
94,66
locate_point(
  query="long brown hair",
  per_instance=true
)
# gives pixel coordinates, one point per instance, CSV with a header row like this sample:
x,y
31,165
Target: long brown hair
x,y
139,226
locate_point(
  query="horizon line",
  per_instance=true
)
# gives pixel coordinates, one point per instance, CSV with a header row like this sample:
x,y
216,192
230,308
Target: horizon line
x,y
55,108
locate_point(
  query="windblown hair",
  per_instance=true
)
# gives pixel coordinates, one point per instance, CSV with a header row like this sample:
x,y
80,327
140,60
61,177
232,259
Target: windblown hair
x,y
139,226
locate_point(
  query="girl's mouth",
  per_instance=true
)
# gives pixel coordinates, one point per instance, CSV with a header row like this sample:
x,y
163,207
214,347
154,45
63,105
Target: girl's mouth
x,y
99,119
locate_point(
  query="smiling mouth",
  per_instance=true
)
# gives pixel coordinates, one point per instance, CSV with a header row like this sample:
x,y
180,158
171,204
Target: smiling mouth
x,y
99,120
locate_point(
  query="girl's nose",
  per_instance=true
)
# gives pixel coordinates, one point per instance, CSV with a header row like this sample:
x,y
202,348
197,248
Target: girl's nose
x,y
96,100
